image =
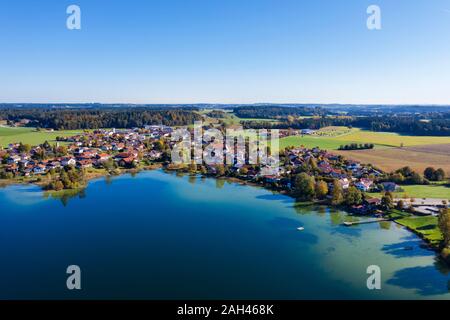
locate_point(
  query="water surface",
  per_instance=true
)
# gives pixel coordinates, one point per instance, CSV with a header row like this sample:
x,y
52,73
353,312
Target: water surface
x,y
162,236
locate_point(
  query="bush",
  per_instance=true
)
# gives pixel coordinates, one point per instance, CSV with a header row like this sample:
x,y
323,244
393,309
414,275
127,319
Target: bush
x,y
445,254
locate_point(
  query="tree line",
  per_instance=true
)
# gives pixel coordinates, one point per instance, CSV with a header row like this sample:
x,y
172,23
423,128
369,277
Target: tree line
x,y
271,112
73,119
355,146
439,126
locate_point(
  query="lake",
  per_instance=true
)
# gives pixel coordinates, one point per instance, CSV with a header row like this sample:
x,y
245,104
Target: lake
x,y
160,235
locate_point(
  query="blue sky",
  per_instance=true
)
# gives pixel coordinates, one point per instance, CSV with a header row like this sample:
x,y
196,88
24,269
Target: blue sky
x,y
225,51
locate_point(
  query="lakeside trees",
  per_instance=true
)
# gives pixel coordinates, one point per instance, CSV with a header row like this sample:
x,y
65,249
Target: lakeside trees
x,y
321,189
69,178
337,194
353,196
444,225
387,201
304,186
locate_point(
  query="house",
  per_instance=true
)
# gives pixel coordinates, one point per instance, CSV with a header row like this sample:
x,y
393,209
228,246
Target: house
x,y
103,157
389,186
39,169
84,164
359,209
372,204
126,162
271,179
13,159
364,184
353,166
68,162
325,167
307,131
54,165
345,183
373,201
23,162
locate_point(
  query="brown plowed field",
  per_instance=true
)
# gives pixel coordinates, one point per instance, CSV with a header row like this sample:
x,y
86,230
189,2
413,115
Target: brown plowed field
x,y
417,157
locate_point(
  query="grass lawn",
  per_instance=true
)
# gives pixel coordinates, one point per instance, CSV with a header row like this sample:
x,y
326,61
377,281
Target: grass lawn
x,y
30,135
427,226
310,142
333,137
438,191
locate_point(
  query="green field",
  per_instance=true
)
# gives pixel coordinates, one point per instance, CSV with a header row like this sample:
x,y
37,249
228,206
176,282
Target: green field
x,y
326,140
389,139
437,191
327,143
426,226
30,135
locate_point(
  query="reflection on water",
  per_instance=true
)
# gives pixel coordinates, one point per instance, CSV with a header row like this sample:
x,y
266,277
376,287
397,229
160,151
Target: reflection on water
x,y
412,278
65,195
409,247
386,225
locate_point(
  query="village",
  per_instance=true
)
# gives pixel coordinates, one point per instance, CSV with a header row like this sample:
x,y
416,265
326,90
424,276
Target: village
x,y
129,148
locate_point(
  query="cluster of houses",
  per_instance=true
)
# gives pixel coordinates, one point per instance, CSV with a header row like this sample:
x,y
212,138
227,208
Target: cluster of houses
x,y
127,147
86,150
330,165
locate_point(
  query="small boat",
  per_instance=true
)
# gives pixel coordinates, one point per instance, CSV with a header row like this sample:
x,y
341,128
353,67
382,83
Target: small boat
x,y
300,228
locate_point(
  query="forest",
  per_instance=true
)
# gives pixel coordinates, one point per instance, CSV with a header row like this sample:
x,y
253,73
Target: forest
x,y
271,112
72,119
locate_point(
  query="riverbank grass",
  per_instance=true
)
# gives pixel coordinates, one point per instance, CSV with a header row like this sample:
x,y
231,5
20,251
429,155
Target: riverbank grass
x,y
426,227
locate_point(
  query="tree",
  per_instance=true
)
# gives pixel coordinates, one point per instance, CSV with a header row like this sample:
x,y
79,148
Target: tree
x,y
321,189
312,163
434,175
429,173
58,186
353,196
26,148
387,201
304,186
220,170
439,175
61,150
192,167
415,178
337,195
444,225
243,171
400,205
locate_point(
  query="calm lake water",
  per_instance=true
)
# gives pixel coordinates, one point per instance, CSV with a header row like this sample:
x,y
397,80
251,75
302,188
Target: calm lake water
x,y
162,236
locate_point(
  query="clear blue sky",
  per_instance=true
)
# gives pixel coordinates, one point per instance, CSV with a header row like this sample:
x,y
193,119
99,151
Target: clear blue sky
x,y
225,51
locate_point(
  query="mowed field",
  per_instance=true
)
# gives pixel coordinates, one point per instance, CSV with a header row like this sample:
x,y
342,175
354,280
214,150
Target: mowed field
x,y
436,190
30,135
380,139
390,139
